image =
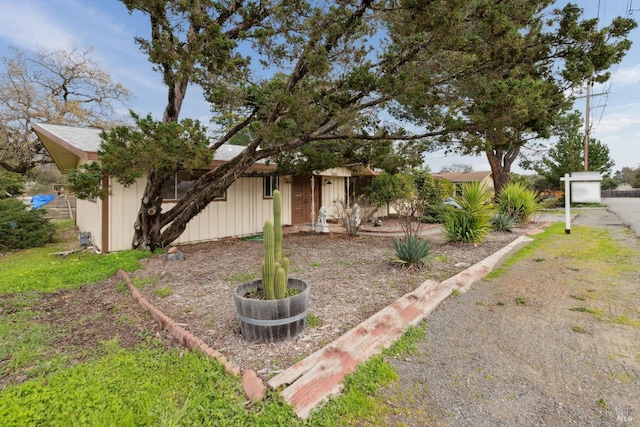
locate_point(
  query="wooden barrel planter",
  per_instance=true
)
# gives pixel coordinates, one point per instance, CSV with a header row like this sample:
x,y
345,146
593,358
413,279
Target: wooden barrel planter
x,y
272,320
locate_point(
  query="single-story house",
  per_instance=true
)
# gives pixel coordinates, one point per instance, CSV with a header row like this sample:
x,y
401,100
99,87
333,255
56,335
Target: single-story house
x,y
241,212
458,178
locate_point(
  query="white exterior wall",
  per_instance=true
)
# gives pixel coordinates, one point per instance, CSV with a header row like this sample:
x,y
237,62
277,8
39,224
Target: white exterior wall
x,y
124,204
242,213
89,218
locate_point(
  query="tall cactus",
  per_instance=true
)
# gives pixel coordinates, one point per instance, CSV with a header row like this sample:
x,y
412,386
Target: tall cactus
x,y
277,225
269,262
280,284
275,269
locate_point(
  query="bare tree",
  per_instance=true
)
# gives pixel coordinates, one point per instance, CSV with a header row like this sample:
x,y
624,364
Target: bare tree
x,y
62,86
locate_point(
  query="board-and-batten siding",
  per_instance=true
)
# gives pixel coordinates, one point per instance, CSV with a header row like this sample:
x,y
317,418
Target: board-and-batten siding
x,y
89,218
242,213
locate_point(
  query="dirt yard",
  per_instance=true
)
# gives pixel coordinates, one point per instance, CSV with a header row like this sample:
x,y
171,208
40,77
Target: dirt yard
x,y
349,278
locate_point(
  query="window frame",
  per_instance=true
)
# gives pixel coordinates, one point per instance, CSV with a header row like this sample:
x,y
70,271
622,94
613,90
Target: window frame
x,y
179,193
270,183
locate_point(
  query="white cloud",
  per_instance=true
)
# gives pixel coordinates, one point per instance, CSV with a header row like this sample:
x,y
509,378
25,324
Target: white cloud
x,y
628,75
30,27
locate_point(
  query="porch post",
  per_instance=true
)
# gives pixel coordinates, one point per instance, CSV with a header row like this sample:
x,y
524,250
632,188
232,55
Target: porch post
x,y
313,200
348,194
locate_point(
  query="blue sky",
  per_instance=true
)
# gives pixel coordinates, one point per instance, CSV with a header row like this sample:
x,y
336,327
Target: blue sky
x,y
106,26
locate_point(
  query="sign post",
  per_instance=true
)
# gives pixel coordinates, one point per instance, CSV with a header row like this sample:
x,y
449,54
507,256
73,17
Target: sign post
x,y
586,189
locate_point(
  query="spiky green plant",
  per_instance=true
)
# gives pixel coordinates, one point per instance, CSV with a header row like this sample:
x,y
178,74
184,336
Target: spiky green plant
x,y
471,223
411,251
503,222
275,268
517,200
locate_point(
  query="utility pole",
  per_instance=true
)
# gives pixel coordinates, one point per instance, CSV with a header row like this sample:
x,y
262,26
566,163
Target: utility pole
x,y
586,127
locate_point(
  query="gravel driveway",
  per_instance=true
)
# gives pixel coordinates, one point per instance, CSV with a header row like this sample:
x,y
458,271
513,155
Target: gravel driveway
x,y
517,350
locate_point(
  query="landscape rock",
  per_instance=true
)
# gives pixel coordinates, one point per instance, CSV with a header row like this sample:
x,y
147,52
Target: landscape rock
x,y
175,256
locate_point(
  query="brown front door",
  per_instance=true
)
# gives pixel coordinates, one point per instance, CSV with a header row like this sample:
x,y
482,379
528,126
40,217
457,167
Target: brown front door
x,y
301,199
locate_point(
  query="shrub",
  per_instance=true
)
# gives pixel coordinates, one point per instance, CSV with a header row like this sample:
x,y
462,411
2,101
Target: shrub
x,y
11,184
471,223
463,227
436,214
21,228
411,251
517,200
503,222
387,188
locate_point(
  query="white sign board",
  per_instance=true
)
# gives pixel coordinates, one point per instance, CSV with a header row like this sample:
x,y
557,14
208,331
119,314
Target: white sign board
x,y
585,187
585,192
580,187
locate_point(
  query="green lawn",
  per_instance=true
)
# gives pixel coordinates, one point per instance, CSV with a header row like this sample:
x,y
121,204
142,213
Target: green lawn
x,y
145,386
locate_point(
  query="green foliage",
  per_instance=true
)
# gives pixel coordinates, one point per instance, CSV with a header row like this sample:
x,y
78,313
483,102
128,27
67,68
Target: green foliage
x,y
407,344
358,403
609,183
313,320
38,270
471,223
411,251
460,226
143,388
518,201
567,156
436,214
387,188
503,222
163,292
128,154
86,181
429,190
21,228
11,184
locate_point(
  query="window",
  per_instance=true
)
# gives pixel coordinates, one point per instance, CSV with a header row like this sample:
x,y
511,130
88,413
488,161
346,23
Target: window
x,y
270,184
175,189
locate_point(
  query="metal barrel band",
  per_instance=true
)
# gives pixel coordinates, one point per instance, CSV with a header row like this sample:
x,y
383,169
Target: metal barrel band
x,y
276,322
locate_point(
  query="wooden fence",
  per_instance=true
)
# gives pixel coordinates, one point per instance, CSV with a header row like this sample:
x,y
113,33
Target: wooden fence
x,y
615,193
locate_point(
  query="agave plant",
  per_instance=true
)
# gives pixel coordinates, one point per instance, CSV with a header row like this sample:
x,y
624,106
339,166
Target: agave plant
x,y
503,222
411,251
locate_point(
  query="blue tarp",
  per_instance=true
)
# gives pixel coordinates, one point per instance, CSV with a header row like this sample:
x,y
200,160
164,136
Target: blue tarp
x,y
40,200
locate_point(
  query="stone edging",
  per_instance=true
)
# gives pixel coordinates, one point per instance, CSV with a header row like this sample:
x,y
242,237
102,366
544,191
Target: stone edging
x,y
253,386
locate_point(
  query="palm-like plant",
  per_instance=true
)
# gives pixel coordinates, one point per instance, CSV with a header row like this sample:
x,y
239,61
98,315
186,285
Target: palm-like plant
x,y
471,223
516,200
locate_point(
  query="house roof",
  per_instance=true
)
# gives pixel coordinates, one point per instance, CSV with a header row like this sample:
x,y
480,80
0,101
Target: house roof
x,y
69,146
454,177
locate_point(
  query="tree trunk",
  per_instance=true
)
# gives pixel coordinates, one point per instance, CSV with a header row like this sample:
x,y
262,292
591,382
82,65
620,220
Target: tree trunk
x,y
501,162
147,228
